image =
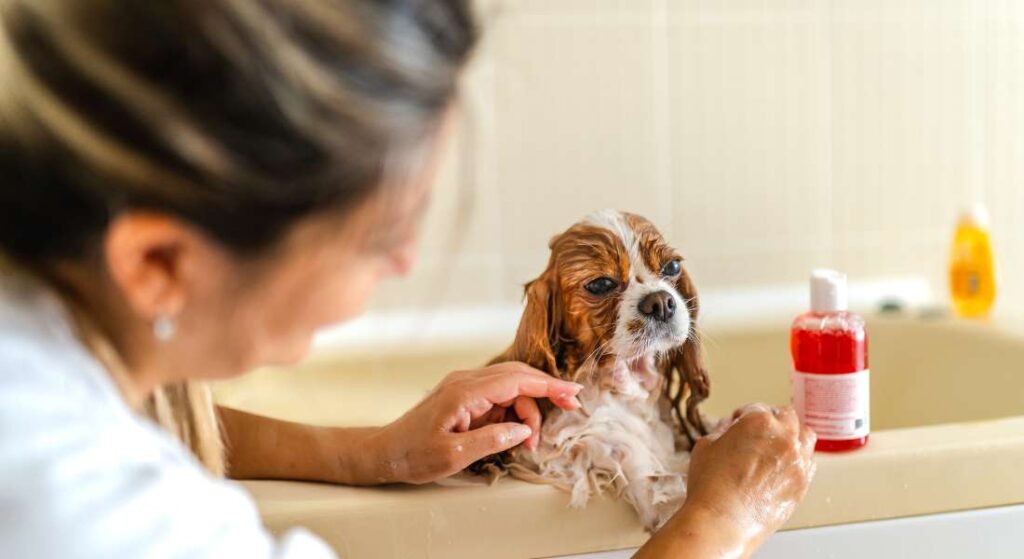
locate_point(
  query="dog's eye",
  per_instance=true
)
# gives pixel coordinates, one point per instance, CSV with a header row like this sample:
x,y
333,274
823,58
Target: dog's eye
x,y
601,286
671,268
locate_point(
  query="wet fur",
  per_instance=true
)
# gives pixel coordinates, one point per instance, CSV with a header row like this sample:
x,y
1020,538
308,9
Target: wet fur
x,y
568,333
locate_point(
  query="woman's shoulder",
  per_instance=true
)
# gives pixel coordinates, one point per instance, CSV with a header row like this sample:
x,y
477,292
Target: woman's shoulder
x,y
62,420
95,479
61,416
102,488
44,370
92,477
104,484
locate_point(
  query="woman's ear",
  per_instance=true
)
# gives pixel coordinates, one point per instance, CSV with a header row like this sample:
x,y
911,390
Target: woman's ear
x,y
155,260
685,372
537,337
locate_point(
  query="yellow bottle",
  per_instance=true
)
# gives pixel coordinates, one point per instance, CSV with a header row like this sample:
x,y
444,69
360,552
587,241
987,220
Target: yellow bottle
x,y
972,269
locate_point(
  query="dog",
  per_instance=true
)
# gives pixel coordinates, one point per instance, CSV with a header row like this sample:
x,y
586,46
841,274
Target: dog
x,y
616,311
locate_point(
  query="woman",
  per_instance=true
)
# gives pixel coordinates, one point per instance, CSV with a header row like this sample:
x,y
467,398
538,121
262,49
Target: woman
x,y
188,190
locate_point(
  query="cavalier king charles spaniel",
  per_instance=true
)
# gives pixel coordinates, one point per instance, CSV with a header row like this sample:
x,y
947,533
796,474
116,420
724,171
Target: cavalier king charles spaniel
x,y
615,311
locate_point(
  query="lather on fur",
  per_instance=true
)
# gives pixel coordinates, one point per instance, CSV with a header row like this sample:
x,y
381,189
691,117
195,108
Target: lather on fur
x,y
613,312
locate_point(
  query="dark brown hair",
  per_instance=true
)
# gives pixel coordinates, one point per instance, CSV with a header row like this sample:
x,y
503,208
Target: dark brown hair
x,y
240,117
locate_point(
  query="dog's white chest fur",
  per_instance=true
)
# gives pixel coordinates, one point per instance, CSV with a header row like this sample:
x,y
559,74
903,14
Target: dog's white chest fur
x,y
618,441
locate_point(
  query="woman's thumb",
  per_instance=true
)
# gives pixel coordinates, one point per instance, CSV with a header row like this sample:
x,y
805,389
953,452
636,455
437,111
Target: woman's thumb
x,y
494,438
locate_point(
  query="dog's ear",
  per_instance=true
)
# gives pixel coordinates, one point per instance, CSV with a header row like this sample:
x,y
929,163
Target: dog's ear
x,y
536,342
686,375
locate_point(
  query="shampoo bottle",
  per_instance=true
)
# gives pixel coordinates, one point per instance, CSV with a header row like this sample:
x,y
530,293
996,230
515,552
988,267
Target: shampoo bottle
x,y
830,380
971,270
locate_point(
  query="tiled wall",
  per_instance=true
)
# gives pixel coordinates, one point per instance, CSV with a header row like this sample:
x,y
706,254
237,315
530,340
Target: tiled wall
x,y
764,137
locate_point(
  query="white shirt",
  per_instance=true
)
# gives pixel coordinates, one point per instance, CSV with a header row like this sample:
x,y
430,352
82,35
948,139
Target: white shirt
x,y
82,475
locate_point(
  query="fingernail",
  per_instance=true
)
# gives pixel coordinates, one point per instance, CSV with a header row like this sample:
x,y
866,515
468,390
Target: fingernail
x,y
519,433
576,386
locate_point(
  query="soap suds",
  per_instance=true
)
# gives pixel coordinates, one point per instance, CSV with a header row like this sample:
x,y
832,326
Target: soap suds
x,y
617,442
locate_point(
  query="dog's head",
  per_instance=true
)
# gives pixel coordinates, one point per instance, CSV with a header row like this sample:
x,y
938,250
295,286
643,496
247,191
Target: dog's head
x,y
614,290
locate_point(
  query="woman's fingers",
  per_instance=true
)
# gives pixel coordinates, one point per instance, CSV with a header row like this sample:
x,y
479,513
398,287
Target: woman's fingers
x,y
474,399
763,416
754,408
477,406
469,415
789,419
562,398
491,439
528,412
497,414
502,383
808,438
513,367
756,472
513,384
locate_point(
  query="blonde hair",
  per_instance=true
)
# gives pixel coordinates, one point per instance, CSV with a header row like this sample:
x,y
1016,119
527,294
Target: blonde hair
x,y
237,116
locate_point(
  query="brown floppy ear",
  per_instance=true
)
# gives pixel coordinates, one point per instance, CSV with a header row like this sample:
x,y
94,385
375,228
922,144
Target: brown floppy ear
x,y
686,375
537,337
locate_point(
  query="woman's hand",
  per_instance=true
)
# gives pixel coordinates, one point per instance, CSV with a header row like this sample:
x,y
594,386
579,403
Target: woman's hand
x,y
743,485
468,416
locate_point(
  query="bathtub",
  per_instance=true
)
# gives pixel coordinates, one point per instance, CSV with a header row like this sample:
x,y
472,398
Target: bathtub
x,y
948,443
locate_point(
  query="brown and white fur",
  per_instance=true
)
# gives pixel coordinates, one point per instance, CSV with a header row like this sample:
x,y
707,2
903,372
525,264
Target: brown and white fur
x,y
635,350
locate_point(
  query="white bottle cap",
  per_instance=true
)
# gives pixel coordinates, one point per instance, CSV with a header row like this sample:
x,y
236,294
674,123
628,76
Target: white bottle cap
x,y
977,215
828,291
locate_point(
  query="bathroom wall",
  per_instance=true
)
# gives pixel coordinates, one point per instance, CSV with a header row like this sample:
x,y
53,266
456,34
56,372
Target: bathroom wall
x,y
764,138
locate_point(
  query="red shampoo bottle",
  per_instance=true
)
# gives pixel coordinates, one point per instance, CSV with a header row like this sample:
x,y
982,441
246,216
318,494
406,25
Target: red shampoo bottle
x,y
830,367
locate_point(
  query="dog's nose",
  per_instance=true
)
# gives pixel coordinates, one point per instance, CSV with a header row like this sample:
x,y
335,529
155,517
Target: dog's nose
x,y
659,305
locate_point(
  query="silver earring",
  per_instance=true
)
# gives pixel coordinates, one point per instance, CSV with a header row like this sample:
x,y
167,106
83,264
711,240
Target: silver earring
x,y
164,328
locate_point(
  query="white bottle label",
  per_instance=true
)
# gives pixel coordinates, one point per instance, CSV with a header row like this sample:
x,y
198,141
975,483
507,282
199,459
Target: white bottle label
x,y
837,407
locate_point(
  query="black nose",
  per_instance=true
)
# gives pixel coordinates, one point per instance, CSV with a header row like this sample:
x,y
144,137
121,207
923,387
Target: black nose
x,y
659,305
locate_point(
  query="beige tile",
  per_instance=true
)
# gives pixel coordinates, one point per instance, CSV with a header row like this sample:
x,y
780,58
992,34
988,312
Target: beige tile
x,y
999,60
437,284
753,269
763,138
750,137
924,125
1010,275
576,124
902,120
